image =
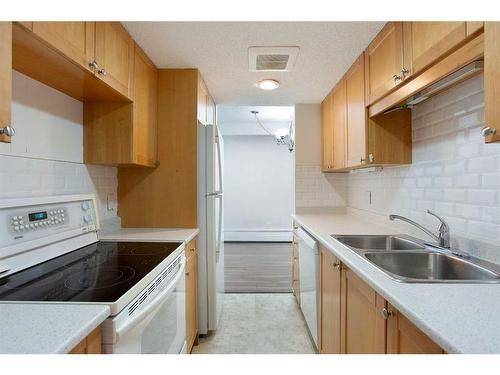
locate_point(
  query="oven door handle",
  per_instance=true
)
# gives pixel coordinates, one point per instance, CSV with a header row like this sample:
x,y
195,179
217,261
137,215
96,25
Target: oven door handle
x,y
154,304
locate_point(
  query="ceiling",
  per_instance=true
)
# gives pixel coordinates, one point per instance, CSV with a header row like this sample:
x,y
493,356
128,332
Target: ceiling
x,y
237,120
220,51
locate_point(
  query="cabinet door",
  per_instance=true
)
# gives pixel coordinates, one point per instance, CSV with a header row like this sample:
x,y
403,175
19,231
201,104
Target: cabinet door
x,y
73,39
330,303
492,80
114,53
210,110
5,76
327,134
145,96
356,114
295,267
339,125
363,326
191,295
403,337
384,59
425,42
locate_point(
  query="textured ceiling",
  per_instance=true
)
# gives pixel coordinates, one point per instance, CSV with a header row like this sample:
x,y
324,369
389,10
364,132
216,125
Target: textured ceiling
x,y
237,120
220,51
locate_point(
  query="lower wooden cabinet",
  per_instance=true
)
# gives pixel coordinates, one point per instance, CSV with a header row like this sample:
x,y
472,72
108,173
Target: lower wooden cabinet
x,y
354,319
191,295
403,337
330,288
92,344
363,326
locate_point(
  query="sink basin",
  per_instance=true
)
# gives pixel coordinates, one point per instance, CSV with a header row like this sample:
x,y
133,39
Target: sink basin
x,y
383,242
427,267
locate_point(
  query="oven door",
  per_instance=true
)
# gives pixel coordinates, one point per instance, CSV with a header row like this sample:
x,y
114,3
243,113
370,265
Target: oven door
x,y
159,327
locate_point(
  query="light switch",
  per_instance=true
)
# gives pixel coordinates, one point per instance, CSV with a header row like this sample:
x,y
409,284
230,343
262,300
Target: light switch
x,y
111,202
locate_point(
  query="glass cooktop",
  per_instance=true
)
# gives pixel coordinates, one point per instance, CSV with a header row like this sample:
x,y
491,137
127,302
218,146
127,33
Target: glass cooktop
x,y
100,272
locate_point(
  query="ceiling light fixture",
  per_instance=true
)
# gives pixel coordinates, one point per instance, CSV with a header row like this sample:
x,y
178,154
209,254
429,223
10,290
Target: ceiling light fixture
x,y
268,84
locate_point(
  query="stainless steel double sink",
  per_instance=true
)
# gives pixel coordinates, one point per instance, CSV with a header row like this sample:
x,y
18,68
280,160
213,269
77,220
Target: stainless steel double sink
x,y
407,259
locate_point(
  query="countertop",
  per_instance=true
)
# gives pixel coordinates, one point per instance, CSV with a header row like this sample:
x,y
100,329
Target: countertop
x,y
149,234
461,318
46,328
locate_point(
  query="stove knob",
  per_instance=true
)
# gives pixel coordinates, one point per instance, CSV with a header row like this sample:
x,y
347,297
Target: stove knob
x,y
85,206
87,218
16,228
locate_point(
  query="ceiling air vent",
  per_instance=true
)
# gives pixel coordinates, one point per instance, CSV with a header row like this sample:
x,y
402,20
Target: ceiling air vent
x,y
272,59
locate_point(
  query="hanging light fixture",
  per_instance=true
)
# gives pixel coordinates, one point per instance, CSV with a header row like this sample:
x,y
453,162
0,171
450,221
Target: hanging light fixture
x,y
284,137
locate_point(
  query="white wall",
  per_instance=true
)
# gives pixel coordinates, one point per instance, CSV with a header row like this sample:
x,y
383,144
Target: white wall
x,y
258,189
314,190
46,153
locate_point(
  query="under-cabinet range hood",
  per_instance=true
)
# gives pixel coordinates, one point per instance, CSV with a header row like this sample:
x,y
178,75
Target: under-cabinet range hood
x,y
458,76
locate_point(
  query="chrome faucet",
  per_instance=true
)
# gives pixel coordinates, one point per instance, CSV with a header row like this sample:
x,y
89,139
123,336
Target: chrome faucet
x,y
443,236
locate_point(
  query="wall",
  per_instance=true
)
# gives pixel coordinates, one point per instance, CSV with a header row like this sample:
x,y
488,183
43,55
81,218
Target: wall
x,y
46,153
314,190
258,189
453,172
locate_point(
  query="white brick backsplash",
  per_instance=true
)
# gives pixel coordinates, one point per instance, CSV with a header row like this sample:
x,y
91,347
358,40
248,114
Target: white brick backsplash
x,y
316,189
26,177
453,171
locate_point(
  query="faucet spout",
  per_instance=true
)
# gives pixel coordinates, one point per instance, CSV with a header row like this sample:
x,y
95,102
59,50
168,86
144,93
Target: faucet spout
x,y
443,236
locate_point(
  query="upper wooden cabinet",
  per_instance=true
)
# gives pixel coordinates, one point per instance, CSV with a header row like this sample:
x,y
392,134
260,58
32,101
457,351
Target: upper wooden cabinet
x,y
114,55
330,287
339,119
385,67
5,77
327,133
363,326
425,42
118,133
76,40
403,337
492,81
356,113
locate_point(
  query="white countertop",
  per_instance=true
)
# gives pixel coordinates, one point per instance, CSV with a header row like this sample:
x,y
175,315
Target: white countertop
x,y
461,318
149,234
45,328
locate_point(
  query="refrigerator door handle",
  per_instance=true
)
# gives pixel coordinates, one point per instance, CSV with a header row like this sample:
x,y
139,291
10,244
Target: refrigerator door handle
x,y
219,232
219,158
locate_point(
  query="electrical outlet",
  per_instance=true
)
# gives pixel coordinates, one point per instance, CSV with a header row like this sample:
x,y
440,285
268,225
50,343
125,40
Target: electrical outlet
x,y
111,202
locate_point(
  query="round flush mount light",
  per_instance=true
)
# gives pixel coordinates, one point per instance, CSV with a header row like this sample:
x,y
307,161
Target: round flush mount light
x,y
268,84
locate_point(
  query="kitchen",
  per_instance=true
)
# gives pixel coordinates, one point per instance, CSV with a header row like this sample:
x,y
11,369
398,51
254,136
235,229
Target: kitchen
x,y
126,187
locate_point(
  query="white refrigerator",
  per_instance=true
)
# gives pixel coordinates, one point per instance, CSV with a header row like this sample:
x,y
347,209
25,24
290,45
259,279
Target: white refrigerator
x,y
211,223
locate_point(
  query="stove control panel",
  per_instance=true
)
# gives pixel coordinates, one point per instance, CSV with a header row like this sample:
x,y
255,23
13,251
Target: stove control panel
x,y
23,222
36,219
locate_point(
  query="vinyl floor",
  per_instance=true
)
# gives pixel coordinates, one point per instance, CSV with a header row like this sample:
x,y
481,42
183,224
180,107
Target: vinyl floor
x,y
256,323
253,267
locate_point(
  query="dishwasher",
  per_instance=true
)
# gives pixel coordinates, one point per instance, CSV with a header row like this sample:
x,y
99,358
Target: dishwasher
x,y
309,281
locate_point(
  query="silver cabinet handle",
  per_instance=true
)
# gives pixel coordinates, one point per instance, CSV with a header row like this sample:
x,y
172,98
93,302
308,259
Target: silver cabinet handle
x,y
404,72
387,313
362,160
8,131
485,132
102,72
337,266
396,78
371,158
93,65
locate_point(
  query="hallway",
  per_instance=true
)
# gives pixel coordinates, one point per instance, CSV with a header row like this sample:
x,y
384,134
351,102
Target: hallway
x,y
258,323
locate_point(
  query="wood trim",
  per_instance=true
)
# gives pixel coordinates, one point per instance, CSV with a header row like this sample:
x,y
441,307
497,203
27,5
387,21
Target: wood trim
x,y
90,42
469,52
92,344
492,79
5,77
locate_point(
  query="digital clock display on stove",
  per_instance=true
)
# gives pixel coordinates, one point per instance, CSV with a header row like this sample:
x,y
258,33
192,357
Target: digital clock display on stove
x,y
35,216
